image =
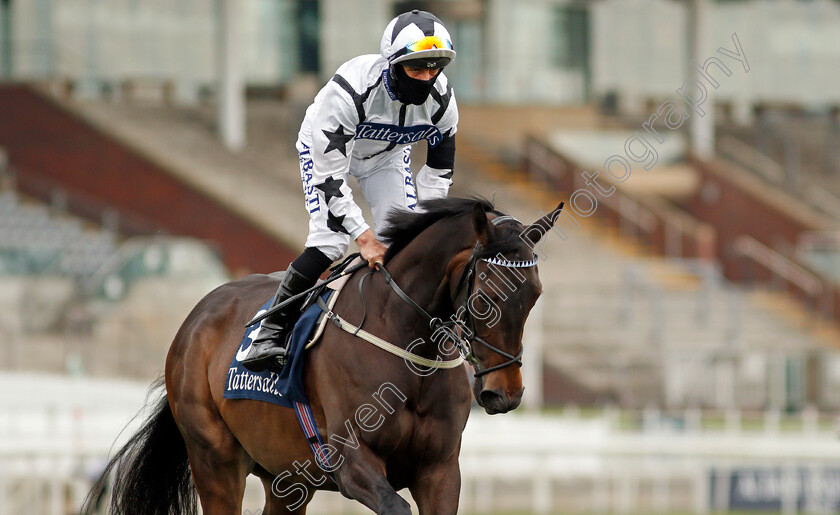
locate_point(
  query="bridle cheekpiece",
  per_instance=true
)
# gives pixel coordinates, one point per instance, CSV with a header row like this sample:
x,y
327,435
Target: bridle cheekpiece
x,y
465,344
453,327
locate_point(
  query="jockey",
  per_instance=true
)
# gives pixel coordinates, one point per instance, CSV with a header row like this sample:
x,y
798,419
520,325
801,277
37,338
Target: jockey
x,y
364,123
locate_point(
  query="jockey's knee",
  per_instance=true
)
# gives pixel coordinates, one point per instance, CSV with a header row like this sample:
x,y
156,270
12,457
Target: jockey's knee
x,y
334,251
312,263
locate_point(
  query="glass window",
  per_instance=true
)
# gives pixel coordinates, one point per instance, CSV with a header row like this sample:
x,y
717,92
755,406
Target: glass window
x,y
570,38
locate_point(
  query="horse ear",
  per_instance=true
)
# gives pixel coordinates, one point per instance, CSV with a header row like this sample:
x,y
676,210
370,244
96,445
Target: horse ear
x,y
536,230
480,224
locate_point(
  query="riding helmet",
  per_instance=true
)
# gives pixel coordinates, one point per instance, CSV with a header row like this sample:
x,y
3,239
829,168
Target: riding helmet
x,y
417,39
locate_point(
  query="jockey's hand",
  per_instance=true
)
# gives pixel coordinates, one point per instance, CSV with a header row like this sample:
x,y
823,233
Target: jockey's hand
x,y
373,251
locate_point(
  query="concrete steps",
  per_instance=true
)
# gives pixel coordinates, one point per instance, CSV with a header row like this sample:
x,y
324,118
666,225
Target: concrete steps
x,y
619,319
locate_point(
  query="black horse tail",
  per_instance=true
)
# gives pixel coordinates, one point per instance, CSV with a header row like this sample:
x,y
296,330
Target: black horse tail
x,y
151,472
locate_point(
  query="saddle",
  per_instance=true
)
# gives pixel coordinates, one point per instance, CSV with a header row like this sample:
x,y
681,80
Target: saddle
x,y
286,386
332,289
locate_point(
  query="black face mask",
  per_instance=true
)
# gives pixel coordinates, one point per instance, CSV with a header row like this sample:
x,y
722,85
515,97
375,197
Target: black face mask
x,y
408,90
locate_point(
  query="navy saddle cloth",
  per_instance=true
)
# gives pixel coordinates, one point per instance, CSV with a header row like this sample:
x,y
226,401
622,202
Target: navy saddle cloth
x,y
282,388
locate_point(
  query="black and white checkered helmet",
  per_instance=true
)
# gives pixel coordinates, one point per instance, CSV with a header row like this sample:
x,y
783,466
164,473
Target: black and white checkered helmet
x,y
419,37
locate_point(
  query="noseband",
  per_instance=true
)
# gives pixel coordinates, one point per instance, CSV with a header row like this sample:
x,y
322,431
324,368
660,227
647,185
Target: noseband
x,y
466,344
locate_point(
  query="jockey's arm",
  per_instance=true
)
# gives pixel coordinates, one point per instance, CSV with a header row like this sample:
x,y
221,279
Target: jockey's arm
x,y
332,136
435,177
333,131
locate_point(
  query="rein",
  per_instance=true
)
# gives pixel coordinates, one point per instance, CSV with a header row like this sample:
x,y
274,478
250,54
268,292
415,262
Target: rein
x,y
465,345
435,323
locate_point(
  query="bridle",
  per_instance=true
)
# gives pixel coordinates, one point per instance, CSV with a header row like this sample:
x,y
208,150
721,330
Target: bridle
x,y
467,279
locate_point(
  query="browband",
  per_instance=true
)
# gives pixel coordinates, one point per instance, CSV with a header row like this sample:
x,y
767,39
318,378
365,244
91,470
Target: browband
x,y
504,262
504,218
511,264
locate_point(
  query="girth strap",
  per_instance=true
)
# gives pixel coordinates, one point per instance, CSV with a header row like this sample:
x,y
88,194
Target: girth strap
x,y
313,437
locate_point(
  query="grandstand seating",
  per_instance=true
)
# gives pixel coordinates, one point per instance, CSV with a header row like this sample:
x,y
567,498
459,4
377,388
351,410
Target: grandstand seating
x,y
621,327
73,297
57,156
33,241
652,332
793,151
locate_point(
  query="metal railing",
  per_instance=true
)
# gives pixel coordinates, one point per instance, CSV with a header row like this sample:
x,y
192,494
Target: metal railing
x,y
583,461
753,160
649,218
778,265
819,293
749,157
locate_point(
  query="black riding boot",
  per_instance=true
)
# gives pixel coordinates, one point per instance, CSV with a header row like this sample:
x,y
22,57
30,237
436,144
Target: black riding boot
x,y
269,349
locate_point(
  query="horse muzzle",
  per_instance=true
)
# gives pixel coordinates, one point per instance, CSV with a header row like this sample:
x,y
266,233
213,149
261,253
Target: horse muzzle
x,y
497,401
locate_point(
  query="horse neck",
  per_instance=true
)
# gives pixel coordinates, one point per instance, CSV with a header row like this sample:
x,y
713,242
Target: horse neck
x,y
422,266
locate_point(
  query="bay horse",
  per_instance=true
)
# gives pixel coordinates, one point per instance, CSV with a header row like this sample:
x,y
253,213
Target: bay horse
x,y
389,427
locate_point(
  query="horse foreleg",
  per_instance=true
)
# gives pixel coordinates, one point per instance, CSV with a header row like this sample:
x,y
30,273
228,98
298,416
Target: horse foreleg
x,y
437,488
361,476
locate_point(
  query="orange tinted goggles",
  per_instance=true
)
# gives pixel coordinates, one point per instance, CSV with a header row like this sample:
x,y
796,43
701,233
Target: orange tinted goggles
x,y
429,43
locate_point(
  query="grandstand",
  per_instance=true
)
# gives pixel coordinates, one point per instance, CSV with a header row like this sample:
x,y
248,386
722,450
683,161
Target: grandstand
x,y
34,242
621,326
638,311
794,150
74,294
630,329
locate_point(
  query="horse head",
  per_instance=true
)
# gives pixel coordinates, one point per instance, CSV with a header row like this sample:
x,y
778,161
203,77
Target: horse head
x,y
498,286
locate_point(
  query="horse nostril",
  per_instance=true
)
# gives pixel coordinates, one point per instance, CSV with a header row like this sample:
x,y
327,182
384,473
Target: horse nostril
x,y
516,400
492,398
